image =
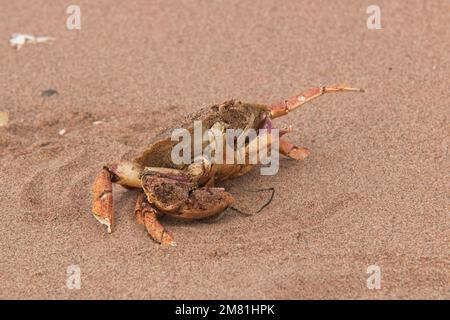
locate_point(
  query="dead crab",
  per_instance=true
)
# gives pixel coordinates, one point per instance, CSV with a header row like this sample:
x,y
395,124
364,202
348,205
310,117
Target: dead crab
x,y
187,191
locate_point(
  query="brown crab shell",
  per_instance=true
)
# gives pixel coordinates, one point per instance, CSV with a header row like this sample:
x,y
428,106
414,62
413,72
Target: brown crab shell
x,y
234,114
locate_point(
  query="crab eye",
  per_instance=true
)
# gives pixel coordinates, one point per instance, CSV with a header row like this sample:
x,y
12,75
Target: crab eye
x,y
114,177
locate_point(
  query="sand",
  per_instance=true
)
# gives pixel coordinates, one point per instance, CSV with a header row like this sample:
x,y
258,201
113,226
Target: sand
x,y
374,190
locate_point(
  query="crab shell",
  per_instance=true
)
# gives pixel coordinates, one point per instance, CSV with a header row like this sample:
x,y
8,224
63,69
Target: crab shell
x,y
230,114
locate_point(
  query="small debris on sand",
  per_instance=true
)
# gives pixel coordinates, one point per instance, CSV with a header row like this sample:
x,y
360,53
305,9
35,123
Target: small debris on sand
x,y
97,122
18,40
62,132
4,118
49,93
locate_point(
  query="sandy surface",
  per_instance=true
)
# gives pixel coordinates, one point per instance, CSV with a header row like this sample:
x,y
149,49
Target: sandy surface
x,y
373,191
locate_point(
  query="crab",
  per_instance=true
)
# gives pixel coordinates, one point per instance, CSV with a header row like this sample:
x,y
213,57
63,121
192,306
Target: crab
x,y
188,191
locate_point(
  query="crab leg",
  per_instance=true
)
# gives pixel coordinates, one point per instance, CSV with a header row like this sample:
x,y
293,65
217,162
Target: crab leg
x,y
290,150
154,228
123,173
284,107
138,209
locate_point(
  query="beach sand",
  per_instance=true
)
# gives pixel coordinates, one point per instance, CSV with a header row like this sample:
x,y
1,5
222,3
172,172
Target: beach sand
x,y
374,190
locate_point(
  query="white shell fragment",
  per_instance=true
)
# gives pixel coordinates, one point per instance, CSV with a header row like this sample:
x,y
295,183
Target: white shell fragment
x,y
4,118
62,132
17,40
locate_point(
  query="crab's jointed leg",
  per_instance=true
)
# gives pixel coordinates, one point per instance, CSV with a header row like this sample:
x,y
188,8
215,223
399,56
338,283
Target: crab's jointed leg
x,y
124,173
284,107
138,209
155,228
148,216
290,150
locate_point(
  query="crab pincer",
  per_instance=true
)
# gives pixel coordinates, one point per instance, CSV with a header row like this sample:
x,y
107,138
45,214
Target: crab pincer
x,y
103,207
148,216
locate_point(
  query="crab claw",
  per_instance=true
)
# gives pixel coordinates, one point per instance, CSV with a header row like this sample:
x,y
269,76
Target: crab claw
x,y
154,227
102,207
206,202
